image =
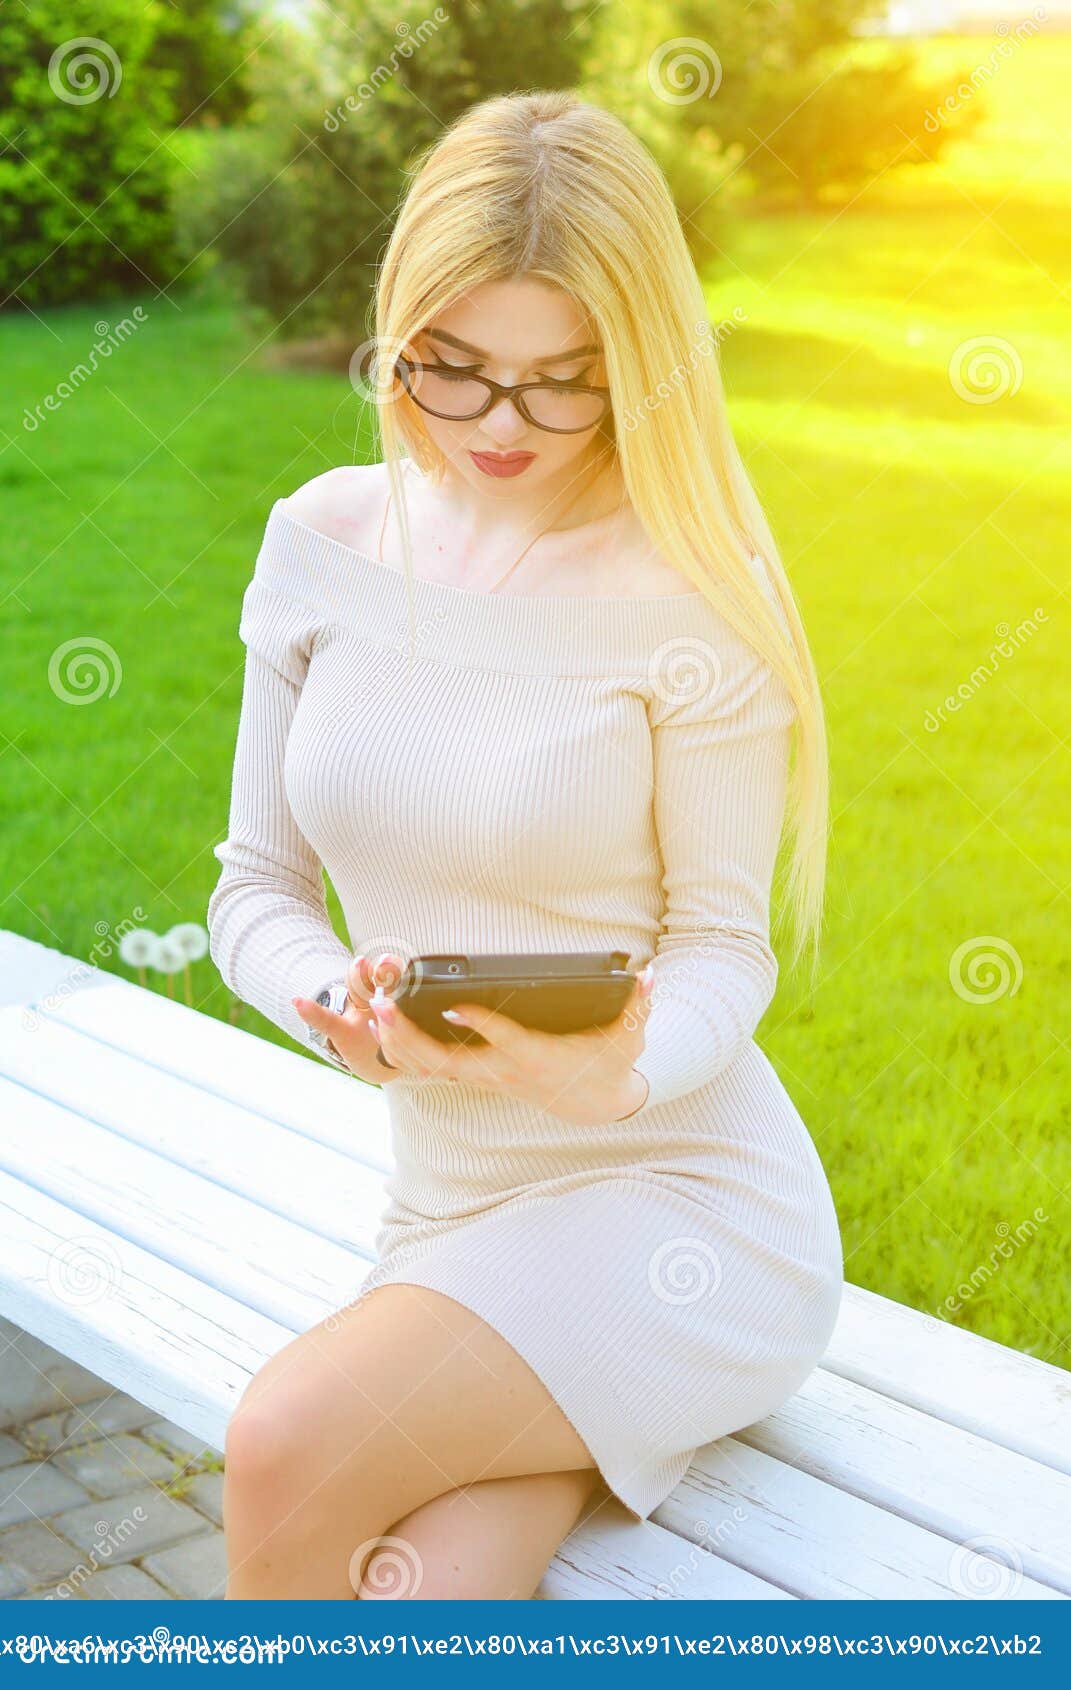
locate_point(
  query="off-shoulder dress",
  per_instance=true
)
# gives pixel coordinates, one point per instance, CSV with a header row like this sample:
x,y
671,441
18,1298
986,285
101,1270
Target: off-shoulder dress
x,y
552,774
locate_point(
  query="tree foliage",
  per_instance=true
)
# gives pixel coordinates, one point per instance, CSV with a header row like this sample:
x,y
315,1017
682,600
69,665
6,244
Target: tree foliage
x,y
84,165
203,49
785,101
298,205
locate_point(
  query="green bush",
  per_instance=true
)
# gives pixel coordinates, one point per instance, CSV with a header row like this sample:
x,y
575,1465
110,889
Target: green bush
x,y
204,47
297,205
297,247
795,110
84,168
839,119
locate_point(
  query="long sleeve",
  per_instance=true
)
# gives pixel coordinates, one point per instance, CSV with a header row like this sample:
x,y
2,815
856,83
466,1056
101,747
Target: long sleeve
x,y
720,755
270,935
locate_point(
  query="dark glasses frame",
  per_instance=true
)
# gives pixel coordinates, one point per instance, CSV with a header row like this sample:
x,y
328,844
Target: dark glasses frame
x,y
496,390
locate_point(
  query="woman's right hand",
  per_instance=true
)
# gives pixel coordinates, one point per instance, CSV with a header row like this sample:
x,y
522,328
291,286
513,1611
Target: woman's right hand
x,y
349,1031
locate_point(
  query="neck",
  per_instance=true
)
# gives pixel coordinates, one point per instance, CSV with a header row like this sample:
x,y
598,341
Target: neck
x,y
586,490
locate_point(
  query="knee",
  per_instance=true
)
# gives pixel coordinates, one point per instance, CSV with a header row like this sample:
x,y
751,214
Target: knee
x,y
283,1454
263,1447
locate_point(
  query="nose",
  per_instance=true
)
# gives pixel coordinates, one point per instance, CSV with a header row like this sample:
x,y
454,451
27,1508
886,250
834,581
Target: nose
x,y
504,424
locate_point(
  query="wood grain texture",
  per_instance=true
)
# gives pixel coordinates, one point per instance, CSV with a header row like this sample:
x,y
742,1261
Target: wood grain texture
x,y
178,1199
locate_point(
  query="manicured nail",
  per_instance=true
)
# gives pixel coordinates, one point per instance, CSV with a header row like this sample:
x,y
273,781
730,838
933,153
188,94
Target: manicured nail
x,y
452,1015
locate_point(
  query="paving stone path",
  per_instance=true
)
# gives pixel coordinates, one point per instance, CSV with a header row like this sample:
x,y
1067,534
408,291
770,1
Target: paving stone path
x,y
99,1497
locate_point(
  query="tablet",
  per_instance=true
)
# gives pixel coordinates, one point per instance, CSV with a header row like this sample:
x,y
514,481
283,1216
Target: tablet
x,y
550,991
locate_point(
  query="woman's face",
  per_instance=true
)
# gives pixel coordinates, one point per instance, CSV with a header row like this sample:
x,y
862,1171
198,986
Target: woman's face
x,y
514,331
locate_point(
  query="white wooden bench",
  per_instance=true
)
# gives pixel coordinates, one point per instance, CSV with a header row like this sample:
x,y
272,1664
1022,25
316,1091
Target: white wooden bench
x,y
225,1193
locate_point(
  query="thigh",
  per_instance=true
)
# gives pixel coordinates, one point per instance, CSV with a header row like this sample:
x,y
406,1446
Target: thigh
x,y
404,1395
490,1541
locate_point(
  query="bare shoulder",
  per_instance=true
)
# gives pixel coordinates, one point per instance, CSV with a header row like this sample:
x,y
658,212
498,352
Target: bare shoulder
x,y
652,572
342,503
643,568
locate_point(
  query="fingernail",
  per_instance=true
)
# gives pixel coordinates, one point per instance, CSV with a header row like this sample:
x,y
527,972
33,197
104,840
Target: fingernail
x,y
375,1029
452,1015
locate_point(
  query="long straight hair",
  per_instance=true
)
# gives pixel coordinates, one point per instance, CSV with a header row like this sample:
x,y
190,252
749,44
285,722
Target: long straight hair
x,y
550,186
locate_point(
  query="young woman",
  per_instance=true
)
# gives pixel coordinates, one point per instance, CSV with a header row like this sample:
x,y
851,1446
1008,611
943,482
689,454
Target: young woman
x,y
530,684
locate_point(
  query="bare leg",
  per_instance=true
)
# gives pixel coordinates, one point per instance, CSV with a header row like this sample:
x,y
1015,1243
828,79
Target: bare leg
x,y
490,1541
362,1420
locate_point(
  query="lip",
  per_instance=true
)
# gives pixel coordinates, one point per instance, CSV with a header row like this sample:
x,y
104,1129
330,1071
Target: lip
x,y
502,464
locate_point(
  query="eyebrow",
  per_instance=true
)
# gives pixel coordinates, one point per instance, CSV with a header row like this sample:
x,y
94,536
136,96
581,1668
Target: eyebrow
x,y
478,352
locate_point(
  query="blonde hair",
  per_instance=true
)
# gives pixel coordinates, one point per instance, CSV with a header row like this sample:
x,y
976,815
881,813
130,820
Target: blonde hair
x,y
551,186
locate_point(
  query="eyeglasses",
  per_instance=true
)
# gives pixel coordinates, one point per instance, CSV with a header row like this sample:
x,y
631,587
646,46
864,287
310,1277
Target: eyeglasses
x,y
558,407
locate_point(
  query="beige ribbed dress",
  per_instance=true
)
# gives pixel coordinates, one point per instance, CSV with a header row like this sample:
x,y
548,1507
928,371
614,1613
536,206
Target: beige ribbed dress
x,y
555,774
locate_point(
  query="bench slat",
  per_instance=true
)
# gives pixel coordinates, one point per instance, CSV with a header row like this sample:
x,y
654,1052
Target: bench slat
x,y
171,1341
821,1542
31,972
937,1475
949,1372
1012,1399
187,1351
151,1320
300,1092
920,1460
605,1558
337,1196
265,1262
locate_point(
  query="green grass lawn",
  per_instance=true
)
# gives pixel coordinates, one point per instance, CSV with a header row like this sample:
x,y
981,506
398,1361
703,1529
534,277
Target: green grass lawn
x,y
914,524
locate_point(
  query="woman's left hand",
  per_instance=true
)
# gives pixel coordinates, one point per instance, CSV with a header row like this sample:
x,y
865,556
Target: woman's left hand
x,y
582,1078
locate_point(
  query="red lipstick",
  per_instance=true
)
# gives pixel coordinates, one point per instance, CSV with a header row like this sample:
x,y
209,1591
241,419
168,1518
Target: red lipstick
x,y
502,464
